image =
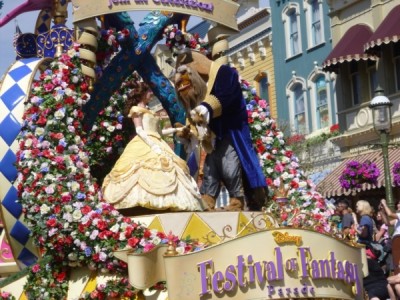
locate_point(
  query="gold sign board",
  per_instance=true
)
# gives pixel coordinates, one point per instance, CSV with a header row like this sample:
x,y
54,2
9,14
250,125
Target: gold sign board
x,y
220,11
281,263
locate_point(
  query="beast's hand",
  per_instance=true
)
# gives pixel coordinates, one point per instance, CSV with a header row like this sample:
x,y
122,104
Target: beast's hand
x,y
183,132
200,115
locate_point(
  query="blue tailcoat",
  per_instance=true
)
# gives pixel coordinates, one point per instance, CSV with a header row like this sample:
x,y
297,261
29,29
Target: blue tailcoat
x,y
233,121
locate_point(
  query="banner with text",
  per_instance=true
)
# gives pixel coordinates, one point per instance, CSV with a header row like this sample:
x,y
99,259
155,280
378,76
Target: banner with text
x,y
275,264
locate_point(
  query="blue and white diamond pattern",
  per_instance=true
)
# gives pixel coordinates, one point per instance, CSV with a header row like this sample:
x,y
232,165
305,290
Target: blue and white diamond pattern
x,y
13,91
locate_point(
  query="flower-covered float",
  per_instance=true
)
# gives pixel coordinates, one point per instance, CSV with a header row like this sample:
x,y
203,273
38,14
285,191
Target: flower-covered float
x,y
79,237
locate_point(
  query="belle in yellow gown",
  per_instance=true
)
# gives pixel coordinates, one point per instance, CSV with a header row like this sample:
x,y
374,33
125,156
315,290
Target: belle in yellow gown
x,y
149,174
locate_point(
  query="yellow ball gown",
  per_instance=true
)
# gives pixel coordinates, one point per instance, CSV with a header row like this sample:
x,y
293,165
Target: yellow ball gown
x,y
144,178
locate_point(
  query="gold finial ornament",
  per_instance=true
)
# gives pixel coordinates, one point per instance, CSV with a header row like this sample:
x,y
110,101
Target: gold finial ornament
x,y
281,193
60,12
184,23
171,250
59,50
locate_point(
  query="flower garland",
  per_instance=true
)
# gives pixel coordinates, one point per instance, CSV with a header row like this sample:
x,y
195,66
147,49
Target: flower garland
x,y
355,174
63,208
396,174
177,40
110,133
108,45
305,207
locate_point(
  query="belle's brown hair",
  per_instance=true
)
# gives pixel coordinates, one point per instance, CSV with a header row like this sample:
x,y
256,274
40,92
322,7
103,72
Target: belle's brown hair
x,y
137,90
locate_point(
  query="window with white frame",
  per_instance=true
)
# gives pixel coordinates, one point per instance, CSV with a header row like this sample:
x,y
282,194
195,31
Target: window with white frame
x,y
299,109
315,24
321,101
263,86
372,77
355,83
396,57
291,20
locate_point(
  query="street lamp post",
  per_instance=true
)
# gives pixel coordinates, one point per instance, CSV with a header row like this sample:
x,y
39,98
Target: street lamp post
x,y
382,119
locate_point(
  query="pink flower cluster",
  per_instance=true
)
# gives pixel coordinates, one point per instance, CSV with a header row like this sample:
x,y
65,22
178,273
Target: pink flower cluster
x,y
355,174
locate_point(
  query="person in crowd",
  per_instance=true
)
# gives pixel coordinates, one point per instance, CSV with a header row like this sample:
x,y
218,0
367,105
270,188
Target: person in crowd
x,y
382,233
375,283
393,217
347,221
394,289
364,228
148,173
382,237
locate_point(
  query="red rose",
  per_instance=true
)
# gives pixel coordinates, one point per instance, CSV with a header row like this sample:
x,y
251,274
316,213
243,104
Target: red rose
x,y
147,234
294,184
94,295
133,242
66,198
57,209
51,223
61,276
41,121
86,209
113,294
102,225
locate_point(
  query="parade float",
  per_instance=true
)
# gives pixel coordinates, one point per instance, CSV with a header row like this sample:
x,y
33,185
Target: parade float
x,y
63,129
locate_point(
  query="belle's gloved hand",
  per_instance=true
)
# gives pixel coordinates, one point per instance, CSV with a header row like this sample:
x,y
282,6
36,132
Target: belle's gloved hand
x,y
200,114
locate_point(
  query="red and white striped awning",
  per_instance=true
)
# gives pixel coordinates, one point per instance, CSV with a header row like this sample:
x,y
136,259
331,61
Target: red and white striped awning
x,y
330,185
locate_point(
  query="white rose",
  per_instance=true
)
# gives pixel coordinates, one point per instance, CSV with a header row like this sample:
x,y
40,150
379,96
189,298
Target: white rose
x,y
44,209
76,215
285,175
59,114
27,153
75,186
114,228
156,240
39,131
122,236
302,184
68,92
180,250
269,140
28,142
111,128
